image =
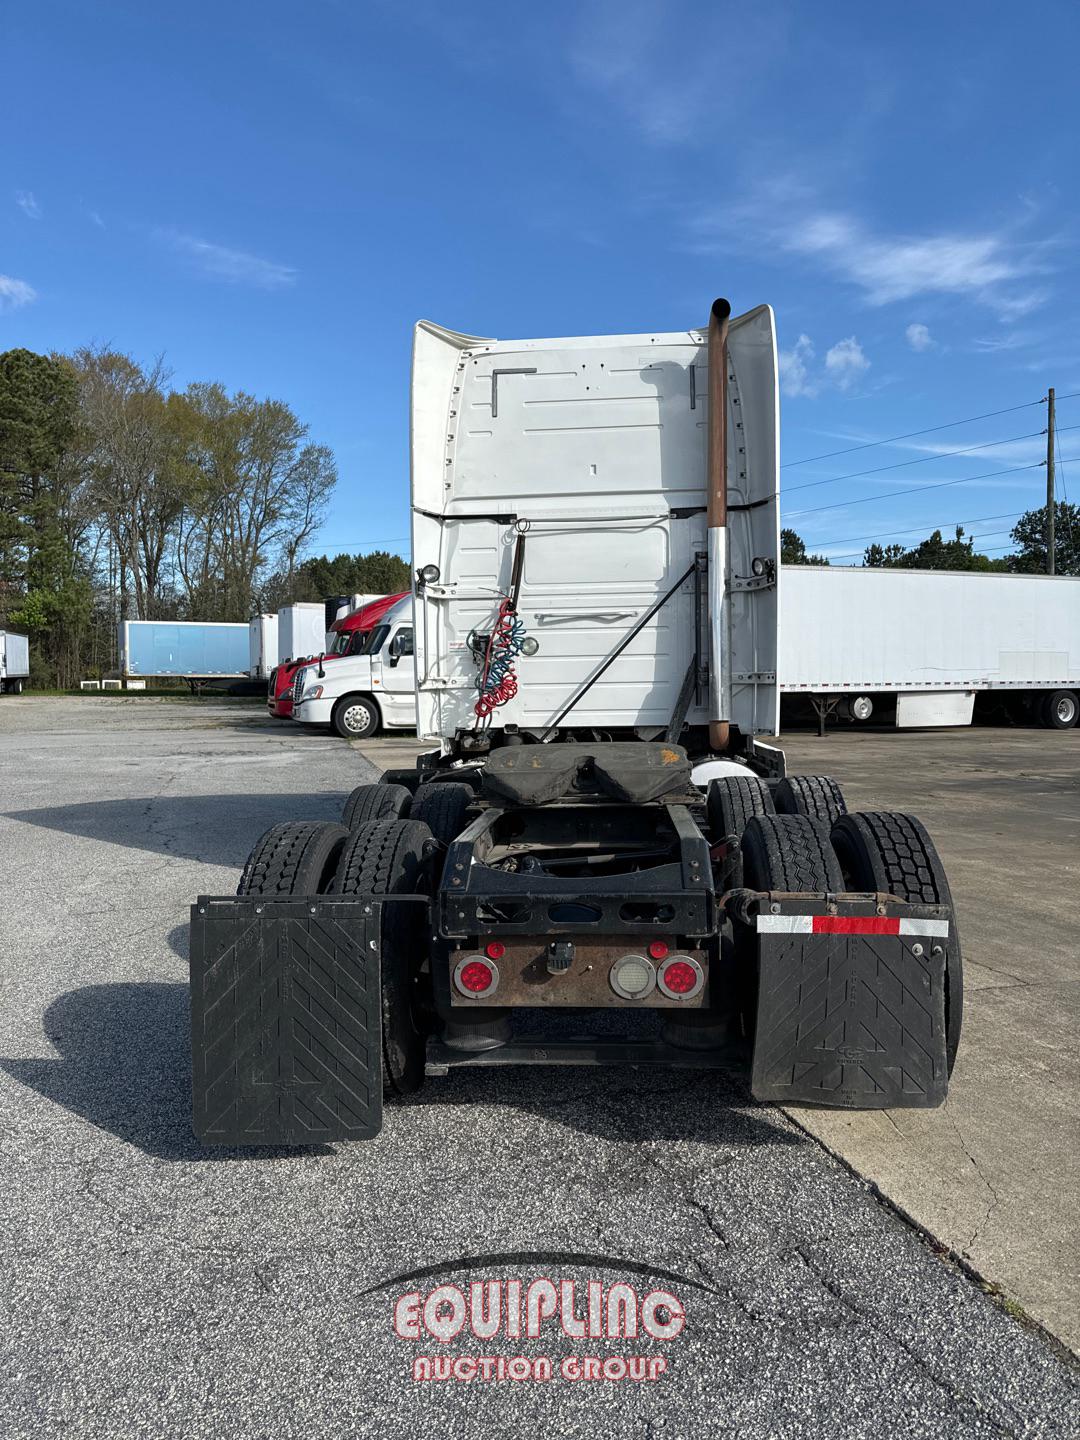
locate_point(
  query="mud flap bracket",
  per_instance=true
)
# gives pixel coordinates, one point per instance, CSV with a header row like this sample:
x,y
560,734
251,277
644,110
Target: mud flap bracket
x,y
286,1029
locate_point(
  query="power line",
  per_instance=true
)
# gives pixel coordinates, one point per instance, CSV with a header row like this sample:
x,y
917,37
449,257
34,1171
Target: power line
x,y
922,460
911,434
916,529
983,535
917,489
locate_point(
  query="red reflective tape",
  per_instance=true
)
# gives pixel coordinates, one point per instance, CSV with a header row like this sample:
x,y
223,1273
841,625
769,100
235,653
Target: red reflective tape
x,y
856,925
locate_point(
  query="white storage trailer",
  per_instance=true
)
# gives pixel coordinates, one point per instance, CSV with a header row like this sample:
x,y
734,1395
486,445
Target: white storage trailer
x,y
14,662
185,649
922,644
595,539
262,646
301,630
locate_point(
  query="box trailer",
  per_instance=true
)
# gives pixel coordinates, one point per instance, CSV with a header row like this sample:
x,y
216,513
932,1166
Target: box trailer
x,y
302,630
14,662
262,646
186,649
922,645
596,833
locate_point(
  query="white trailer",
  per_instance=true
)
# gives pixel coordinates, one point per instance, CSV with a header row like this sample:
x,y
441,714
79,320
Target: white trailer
x,y
595,541
301,630
14,662
921,645
262,646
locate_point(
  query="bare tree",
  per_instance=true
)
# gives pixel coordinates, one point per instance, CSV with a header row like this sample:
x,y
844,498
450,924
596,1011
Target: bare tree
x,y
255,495
135,469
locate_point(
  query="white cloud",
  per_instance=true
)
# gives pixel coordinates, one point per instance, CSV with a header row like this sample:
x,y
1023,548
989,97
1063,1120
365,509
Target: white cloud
x,y
14,293
239,267
96,218
886,268
919,338
1012,341
845,362
28,204
795,368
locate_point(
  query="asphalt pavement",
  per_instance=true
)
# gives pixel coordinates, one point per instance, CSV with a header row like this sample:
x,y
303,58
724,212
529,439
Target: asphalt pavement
x,y
151,1287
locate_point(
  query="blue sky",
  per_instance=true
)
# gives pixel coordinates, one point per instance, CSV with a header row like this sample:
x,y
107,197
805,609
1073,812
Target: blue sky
x,y
271,194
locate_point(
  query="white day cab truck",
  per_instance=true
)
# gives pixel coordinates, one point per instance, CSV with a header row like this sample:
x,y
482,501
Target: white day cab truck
x,y
14,662
597,833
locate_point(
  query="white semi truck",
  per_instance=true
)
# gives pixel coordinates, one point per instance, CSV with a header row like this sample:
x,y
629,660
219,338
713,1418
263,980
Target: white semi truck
x,y
597,831
14,662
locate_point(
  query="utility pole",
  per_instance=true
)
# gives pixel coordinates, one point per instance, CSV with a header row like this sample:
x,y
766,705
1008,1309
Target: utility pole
x,y
1050,481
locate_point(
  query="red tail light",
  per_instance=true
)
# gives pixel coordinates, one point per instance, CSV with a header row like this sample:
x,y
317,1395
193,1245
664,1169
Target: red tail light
x,y
474,975
658,950
494,949
681,978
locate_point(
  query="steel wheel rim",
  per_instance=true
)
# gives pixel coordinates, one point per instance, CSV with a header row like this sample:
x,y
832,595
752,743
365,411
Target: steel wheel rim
x,y
1066,710
350,716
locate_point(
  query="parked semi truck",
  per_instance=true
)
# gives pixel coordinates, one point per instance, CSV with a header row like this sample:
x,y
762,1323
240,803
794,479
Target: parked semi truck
x,y
187,649
597,831
347,635
14,662
371,687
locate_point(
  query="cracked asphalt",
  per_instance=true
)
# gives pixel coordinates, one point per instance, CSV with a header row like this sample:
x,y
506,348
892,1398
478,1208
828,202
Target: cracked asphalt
x,y
151,1287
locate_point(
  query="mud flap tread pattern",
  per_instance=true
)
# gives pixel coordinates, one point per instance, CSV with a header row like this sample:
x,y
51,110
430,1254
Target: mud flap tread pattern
x,y
285,1023
856,1021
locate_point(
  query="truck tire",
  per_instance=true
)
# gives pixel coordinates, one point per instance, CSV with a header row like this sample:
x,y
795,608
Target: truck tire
x,y
883,850
790,852
442,808
730,803
375,802
355,717
385,857
816,795
297,858
1059,709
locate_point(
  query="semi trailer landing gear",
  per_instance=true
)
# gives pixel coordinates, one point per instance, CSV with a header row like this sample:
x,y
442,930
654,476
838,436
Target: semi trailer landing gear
x,y
755,922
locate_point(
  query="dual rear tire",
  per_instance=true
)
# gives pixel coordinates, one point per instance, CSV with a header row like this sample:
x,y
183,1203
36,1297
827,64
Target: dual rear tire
x,y
440,805
385,857
874,852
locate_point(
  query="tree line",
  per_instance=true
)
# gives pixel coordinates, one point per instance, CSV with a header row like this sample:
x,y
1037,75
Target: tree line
x,y
121,498
959,553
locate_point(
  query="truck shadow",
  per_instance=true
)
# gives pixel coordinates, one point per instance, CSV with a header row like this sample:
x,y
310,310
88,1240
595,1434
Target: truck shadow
x,y
213,829
124,1065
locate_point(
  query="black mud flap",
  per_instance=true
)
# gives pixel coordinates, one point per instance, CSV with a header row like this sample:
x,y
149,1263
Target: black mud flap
x,y
286,1042
851,1003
